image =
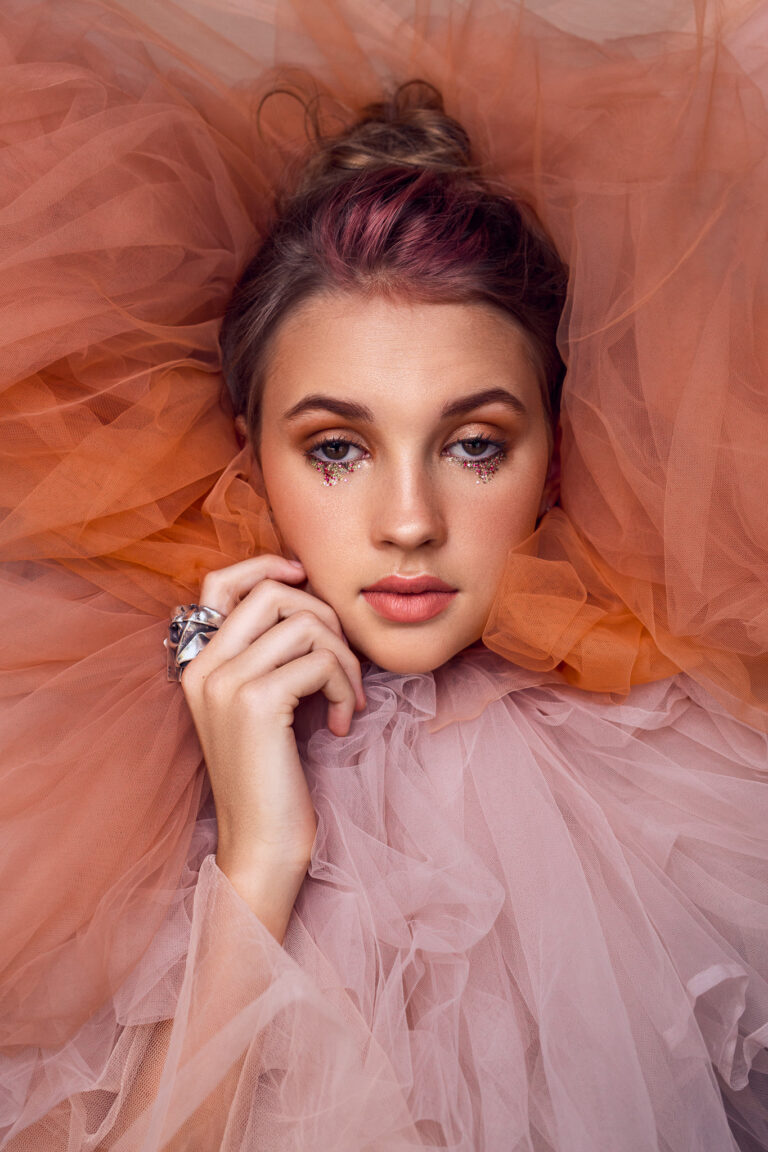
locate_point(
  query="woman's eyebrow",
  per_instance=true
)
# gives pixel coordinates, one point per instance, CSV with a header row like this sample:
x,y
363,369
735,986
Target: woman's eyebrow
x,y
353,411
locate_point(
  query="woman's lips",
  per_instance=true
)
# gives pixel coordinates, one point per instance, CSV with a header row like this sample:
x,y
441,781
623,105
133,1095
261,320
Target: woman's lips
x,y
408,607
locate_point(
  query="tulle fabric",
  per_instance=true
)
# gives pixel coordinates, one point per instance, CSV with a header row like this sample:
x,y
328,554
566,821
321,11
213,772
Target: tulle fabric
x,y
536,911
539,928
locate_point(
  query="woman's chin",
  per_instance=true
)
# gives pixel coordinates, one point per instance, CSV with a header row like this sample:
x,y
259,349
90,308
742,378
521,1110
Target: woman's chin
x,y
409,655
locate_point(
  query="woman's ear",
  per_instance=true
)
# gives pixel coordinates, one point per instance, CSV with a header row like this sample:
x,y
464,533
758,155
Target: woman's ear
x,y
241,430
243,437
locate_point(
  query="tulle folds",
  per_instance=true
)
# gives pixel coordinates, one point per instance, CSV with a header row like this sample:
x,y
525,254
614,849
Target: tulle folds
x,y
536,913
539,926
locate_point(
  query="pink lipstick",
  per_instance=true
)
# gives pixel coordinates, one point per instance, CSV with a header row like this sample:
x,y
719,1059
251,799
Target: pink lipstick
x,y
409,599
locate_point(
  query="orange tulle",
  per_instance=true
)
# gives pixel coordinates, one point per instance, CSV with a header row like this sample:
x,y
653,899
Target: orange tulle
x,y
134,187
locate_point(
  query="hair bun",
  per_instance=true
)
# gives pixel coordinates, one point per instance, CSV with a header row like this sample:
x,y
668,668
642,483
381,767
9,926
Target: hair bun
x,y
409,128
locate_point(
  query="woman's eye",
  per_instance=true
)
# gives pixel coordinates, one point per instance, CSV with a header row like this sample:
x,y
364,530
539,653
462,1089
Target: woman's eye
x,y
483,456
476,448
335,463
334,458
334,451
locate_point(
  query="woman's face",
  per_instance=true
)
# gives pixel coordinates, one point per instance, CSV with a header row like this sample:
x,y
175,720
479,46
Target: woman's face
x,y
373,458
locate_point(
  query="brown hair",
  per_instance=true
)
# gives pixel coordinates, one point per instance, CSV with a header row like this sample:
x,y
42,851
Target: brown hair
x,y
395,204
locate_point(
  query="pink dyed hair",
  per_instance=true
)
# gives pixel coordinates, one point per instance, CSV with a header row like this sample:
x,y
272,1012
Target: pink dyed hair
x,y
423,227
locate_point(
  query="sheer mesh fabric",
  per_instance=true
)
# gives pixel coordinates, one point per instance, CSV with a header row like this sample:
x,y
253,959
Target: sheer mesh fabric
x,y
536,913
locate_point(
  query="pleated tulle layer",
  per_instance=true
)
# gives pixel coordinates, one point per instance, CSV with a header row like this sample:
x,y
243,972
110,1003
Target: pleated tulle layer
x,y
539,927
536,913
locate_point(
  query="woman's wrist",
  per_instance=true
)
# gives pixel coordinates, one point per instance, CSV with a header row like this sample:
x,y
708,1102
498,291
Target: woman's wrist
x,y
268,882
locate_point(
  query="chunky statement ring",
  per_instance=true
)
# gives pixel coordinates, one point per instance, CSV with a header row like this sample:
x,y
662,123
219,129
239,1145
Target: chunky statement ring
x,y
190,629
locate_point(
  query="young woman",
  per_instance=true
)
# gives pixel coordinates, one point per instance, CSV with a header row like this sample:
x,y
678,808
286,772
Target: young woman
x,y
448,827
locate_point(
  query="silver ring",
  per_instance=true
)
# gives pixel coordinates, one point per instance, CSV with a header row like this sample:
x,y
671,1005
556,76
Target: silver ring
x,y
190,629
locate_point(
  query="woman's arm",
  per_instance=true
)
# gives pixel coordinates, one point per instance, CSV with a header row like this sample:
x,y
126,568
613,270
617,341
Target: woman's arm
x,y
276,645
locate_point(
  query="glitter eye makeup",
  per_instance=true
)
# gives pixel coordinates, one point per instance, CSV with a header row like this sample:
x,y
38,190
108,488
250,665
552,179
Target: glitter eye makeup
x,y
335,470
485,467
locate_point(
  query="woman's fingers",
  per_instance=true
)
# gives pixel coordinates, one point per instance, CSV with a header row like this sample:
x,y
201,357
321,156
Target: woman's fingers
x,y
264,607
224,588
251,641
317,671
298,634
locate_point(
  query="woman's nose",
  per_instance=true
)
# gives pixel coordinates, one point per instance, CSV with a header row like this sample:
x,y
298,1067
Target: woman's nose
x,y
408,508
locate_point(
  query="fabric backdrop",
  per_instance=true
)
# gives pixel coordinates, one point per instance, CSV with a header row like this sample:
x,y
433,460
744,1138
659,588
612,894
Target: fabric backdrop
x,y
135,184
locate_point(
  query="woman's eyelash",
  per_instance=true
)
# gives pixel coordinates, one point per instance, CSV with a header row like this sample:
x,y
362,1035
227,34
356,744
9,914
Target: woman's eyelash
x,y
334,442
341,469
484,440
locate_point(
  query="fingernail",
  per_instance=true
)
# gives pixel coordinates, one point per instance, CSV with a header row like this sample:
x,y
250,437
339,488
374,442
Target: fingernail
x,y
296,563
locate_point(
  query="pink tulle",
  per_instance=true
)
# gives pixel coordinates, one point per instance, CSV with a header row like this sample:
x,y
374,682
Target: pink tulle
x,y
542,926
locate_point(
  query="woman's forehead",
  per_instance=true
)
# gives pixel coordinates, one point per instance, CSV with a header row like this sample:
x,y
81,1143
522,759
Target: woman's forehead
x,y
379,352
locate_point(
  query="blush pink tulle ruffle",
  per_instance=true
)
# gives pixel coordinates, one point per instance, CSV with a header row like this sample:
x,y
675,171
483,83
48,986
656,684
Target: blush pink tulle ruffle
x,y
537,913
539,927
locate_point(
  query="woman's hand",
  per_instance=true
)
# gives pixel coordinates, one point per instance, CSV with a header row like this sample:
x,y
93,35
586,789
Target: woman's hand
x,y
277,644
